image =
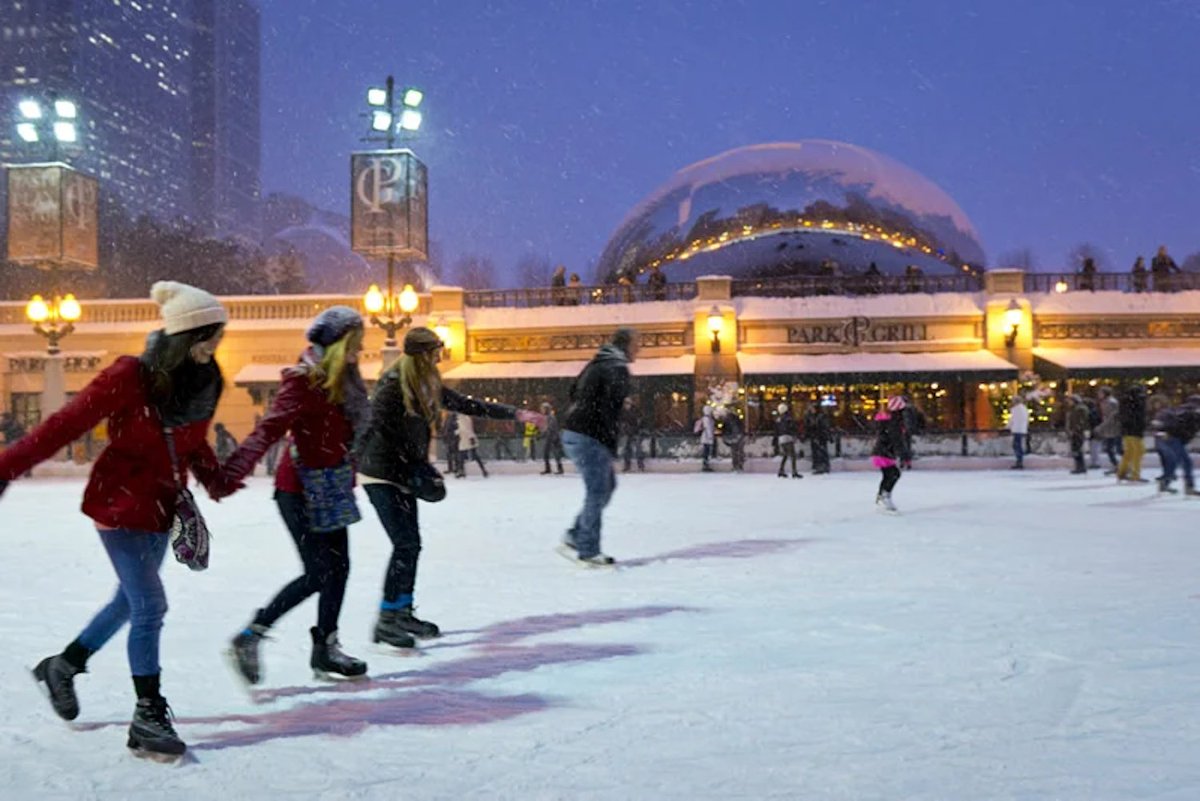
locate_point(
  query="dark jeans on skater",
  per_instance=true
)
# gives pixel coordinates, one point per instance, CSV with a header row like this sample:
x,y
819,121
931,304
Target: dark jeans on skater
x,y
137,557
593,461
471,454
553,449
397,512
1174,455
1077,452
891,475
789,452
631,449
820,456
326,557
1112,448
1019,448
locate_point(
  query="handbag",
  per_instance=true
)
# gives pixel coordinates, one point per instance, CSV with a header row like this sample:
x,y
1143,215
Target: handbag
x,y
328,494
189,533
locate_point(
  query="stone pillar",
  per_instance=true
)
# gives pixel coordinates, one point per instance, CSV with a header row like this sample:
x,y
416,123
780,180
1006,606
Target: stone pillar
x,y
54,391
714,297
448,308
1004,288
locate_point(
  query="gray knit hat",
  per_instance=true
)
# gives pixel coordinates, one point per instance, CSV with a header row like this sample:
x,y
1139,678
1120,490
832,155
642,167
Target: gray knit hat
x,y
333,324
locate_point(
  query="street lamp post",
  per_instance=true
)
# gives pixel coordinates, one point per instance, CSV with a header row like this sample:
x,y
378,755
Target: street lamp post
x,y
392,313
386,125
54,320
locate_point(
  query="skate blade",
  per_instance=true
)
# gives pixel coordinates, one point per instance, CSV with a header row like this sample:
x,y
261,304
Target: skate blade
x,y
186,758
338,678
383,649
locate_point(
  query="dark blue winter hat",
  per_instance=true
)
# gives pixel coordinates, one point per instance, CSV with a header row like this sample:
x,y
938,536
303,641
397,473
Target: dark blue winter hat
x,y
333,324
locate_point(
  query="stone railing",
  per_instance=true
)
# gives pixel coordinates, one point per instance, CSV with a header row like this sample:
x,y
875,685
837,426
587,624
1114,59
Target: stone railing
x,y
578,295
807,286
1110,282
241,308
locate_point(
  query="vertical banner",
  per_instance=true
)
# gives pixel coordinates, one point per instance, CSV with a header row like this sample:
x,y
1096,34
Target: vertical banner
x,y
52,217
389,204
80,220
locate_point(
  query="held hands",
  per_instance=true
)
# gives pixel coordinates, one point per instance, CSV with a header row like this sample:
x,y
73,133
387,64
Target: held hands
x,y
529,416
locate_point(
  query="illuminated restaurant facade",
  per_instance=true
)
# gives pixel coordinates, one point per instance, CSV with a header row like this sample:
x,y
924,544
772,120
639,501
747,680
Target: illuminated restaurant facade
x,y
959,355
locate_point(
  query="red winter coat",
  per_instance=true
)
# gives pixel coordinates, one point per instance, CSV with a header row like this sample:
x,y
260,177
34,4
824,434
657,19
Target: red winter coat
x,y
131,485
319,428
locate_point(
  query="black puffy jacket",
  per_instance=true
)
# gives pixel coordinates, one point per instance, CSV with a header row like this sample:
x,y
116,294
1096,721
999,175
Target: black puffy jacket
x,y
396,443
597,396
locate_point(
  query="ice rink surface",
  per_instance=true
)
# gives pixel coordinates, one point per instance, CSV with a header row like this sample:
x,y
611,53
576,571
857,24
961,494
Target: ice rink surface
x,y
1006,636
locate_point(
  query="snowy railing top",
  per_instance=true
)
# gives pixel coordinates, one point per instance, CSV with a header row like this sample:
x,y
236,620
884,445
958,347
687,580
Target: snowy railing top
x,y
1110,282
241,308
578,295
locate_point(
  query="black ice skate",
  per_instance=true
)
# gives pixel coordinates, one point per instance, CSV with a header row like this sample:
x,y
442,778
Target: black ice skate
x,y
58,675
243,653
407,621
151,733
328,661
390,631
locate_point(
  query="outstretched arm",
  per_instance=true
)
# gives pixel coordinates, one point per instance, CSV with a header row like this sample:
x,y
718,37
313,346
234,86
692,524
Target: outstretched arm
x,y
99,399
270,429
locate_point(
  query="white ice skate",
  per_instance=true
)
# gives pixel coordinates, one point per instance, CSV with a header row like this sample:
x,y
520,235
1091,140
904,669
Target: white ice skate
x,y
884,499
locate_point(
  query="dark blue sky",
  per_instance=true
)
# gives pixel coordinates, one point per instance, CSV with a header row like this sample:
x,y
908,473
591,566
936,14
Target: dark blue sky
x,y
1051,123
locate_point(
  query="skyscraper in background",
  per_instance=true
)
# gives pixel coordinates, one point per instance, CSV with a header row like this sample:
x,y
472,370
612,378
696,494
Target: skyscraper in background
x,y
162,126
225,112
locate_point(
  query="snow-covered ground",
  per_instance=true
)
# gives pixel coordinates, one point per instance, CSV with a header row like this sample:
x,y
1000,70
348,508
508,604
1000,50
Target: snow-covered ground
x,y
1008,636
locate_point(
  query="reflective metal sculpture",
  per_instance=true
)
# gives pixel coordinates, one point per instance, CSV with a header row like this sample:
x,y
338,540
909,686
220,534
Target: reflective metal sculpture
x,y
796,208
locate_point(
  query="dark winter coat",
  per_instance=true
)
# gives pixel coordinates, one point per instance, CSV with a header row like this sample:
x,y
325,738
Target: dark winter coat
x,y
816,426
319,428
552,432
1132,411
597,395
1079,419
131,484
889,437
1110,418
785,429
397,443
1181,423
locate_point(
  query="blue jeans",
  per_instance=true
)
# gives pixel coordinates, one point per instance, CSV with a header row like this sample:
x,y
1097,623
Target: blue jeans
x,y
1174,454
594,463
137,557
1019,447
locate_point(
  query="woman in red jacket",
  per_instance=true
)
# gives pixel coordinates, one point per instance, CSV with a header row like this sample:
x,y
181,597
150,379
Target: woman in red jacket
x,y
131,492
322,402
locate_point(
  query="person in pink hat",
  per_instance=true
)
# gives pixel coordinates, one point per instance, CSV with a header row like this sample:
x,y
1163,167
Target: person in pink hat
x,y
889,445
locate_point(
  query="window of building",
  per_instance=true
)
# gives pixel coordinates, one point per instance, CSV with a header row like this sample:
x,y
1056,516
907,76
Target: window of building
x,y
27,408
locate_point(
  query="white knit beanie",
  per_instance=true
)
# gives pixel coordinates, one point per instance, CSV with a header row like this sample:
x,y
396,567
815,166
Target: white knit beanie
x,y
186,307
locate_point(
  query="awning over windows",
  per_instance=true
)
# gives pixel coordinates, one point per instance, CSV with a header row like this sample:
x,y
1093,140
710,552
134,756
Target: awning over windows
x,y
673,365
1102,362
257,374
979,365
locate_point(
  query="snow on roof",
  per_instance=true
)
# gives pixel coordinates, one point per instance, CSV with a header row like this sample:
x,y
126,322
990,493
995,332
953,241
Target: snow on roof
x,y
1103,303
857,363
838,306
613,314
1093,358
565,368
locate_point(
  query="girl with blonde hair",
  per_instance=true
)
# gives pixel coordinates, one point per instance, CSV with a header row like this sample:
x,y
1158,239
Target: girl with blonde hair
x,y
321,406
394,468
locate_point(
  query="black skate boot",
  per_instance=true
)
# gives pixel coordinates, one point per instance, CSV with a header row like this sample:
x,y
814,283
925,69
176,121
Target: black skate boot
x,y
151,733
389,630
59,677
329,662
243,652
414,625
